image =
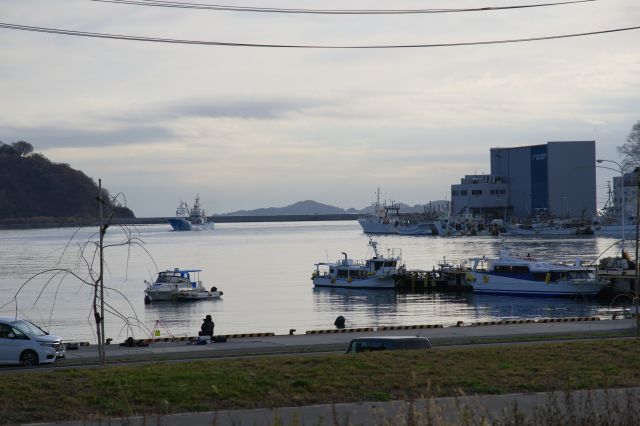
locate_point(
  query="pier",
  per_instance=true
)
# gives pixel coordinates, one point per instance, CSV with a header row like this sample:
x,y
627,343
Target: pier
x,y
619,280
453,279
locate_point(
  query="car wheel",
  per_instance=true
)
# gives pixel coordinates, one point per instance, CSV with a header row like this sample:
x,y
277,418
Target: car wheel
x,y
29,358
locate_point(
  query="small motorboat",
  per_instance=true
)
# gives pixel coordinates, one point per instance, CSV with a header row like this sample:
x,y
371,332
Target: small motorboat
x,y
377,272
179,284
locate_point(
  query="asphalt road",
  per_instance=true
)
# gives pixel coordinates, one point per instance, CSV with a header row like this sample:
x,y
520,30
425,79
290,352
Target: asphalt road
x,y
338,342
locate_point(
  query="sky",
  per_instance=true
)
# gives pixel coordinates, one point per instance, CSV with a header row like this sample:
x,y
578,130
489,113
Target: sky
x,y
249,127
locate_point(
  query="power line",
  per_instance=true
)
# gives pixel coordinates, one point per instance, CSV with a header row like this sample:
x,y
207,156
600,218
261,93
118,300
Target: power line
x,y
218,7
300,46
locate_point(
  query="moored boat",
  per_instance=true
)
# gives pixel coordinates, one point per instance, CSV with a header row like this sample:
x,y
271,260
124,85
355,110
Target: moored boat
x,y
386,219
526,275
179,284
378,272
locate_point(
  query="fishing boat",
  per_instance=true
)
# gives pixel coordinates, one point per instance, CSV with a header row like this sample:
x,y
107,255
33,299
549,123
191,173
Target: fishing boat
x,y
378,272
527,275
386,219
179,284
194,219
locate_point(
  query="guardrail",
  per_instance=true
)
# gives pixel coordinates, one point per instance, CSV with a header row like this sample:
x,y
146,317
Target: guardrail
x,y
140,342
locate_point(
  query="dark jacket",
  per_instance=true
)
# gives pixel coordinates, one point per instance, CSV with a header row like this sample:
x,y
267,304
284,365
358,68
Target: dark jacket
x,y
207,328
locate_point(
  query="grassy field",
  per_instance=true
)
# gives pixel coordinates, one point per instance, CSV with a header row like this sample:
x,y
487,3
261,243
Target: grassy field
x,y
78,394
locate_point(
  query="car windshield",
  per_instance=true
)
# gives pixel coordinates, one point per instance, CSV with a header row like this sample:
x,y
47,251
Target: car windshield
x,y
27,328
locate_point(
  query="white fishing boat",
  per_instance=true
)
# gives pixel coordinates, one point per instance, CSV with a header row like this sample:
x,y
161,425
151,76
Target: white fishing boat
x,y
378,272
194,219
386,219
179,284
383,220
526,275
614,230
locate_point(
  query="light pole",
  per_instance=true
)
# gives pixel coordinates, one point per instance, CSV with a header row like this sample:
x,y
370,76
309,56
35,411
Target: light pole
x,y
621,170
637,266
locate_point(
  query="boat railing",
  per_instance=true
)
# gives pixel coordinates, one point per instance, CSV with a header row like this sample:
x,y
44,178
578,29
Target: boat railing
x,y
351,262
453,264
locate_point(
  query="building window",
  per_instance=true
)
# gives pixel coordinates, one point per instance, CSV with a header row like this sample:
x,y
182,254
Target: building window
x,y
454,193
463,192
476,192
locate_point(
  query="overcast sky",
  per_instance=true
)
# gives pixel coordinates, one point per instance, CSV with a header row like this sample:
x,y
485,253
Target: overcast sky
x,y
250,127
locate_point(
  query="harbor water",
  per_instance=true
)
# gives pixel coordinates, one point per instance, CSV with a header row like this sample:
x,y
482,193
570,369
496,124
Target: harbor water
x,y
264,270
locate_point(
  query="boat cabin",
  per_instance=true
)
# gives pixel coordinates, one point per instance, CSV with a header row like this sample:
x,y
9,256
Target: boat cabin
x,y
529,268
358,270
180,277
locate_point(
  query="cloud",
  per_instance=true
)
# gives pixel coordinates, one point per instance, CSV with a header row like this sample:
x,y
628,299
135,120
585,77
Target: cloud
x,y
43,138
240,124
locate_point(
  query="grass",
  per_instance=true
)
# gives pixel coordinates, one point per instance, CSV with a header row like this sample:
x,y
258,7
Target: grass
x,y
163,388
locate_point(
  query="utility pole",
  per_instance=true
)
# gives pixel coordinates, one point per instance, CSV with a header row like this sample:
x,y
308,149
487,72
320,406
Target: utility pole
x,y
100,283
637,286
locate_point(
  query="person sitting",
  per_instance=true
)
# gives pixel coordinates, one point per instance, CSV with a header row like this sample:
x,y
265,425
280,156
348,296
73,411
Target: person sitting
x,y
207,327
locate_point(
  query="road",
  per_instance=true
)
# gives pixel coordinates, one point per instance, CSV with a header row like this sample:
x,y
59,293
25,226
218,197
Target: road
x,y
338,342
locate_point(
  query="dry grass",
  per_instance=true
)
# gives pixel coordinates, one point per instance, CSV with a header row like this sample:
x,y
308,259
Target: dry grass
x,y
291,381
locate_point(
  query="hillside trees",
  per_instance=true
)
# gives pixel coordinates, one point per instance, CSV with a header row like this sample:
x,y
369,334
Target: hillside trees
x,y
32,186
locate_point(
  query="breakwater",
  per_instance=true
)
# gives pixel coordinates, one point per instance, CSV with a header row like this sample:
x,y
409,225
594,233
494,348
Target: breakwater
x,y
67,222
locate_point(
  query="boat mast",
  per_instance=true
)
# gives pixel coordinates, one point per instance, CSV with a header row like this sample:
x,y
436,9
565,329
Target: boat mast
x,y
374,244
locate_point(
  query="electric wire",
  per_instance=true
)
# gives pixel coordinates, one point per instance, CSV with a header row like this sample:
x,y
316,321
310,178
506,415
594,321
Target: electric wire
x,y
301,46
218,7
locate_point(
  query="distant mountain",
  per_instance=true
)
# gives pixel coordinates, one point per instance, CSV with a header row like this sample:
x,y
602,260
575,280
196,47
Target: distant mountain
x,y
31,186
307,207
310,207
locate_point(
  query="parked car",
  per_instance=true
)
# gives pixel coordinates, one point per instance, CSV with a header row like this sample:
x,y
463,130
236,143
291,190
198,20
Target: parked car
x,y
382,343
22,342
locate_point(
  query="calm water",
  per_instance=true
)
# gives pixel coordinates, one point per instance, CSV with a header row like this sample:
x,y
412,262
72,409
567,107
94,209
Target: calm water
x,y
264,270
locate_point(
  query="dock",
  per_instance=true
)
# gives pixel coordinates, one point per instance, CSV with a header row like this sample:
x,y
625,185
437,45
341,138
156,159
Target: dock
x,y
620,281
417,280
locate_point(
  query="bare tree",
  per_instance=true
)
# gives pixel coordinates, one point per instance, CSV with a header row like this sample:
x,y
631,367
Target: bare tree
x,y
631,149
89,271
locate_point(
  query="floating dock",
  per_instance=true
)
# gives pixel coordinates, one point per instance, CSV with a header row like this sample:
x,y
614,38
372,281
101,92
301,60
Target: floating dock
x,y
425,280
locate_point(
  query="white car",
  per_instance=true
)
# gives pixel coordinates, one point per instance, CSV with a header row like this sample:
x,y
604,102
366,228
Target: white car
x,y
22,342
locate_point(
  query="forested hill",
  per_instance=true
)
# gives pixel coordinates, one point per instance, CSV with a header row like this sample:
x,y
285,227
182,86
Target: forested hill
x,y
32,186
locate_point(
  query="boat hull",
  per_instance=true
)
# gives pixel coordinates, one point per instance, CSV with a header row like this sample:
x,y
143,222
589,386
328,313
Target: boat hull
x,y
421,228
186,296
157,295
377,227
369,283
615,231
180,224
496,284
185,225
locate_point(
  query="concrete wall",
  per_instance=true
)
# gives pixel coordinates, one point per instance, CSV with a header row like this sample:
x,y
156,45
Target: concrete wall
x,y
572,178
514,164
